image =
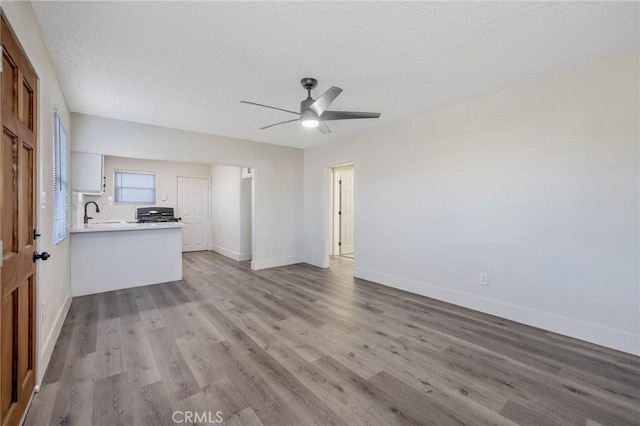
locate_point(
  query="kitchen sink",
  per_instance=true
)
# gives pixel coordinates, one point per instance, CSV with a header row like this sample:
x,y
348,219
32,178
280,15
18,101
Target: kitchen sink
x,y
109,223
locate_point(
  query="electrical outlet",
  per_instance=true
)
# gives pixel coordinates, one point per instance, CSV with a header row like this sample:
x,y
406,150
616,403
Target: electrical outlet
x,y
43,313
484,278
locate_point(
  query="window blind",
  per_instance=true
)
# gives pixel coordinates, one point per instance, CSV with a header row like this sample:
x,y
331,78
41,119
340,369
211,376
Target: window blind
x,y
134,187
60,180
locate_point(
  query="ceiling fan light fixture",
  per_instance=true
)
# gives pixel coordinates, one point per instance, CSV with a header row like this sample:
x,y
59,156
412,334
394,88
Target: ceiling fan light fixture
x,y
310,122
314,113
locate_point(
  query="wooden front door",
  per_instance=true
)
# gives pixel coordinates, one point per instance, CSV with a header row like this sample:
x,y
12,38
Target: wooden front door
x,y
17,223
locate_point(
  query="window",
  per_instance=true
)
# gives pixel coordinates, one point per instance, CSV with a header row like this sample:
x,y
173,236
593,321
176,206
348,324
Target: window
x,y
60,180
134,187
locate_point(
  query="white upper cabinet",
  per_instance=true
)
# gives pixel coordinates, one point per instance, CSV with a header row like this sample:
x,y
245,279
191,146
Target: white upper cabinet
x,y
87,173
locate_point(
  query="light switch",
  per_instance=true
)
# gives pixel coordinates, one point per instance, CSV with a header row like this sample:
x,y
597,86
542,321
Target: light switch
x,y
484,278
164,197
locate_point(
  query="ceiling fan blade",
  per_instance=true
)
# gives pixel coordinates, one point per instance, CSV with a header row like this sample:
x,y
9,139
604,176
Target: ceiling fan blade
x,y
322,103
277,124
267,106
324,129
347,115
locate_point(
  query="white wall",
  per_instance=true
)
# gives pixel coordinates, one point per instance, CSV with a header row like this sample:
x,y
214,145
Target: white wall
x,y
54,282
167,173
537,186
278,173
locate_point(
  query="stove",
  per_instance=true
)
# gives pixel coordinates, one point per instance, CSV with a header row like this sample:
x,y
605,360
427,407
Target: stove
x,y
156,215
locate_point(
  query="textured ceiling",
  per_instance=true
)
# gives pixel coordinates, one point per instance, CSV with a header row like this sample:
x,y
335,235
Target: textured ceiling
x,y
187,65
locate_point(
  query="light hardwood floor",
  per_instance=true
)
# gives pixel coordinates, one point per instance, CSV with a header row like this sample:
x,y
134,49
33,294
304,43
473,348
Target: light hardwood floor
x,y
299,345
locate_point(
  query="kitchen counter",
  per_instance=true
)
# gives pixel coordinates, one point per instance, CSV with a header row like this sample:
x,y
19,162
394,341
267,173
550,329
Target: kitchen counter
x,y
118,255
123,226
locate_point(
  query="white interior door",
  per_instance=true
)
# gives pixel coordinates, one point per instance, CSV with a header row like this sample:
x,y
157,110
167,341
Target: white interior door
x,y
346,211
193,208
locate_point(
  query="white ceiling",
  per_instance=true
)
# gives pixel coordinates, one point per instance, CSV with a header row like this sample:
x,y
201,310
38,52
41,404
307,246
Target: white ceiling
x,y
188,65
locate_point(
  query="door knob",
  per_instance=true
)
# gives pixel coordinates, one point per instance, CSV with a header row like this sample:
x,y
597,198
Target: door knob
x,y
44,255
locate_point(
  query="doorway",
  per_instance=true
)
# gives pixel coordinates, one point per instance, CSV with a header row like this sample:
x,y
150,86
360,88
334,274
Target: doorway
x,y
343,218
193,208
18,213
233,192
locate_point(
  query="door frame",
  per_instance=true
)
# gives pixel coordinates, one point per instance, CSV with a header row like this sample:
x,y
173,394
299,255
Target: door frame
x,y
331,221
335,217
254,225
250,175
336,199
254,197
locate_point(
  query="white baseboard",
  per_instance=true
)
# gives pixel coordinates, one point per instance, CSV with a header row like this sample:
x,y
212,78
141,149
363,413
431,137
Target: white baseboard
x,y
228,253
316,261
50,341
244,256
273,263
611,338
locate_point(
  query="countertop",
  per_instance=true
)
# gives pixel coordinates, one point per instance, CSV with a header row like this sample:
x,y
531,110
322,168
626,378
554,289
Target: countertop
x,y
111,227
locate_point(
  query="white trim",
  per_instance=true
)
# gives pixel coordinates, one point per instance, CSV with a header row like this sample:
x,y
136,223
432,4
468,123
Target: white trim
x,y
328,192
316,261
611,338
50,342
254,214
230,253
334,199
244,257
327,221
273,263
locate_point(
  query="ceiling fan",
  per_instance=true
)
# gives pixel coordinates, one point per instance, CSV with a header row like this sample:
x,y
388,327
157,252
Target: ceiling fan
x,y
313,112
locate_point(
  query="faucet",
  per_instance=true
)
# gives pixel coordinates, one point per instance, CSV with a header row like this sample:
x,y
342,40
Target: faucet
x,y
86,218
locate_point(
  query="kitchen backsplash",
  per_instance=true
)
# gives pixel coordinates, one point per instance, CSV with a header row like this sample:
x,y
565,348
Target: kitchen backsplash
x,y
108,209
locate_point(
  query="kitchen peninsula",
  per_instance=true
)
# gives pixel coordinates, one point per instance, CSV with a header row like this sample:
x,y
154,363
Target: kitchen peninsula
x,y
115,255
